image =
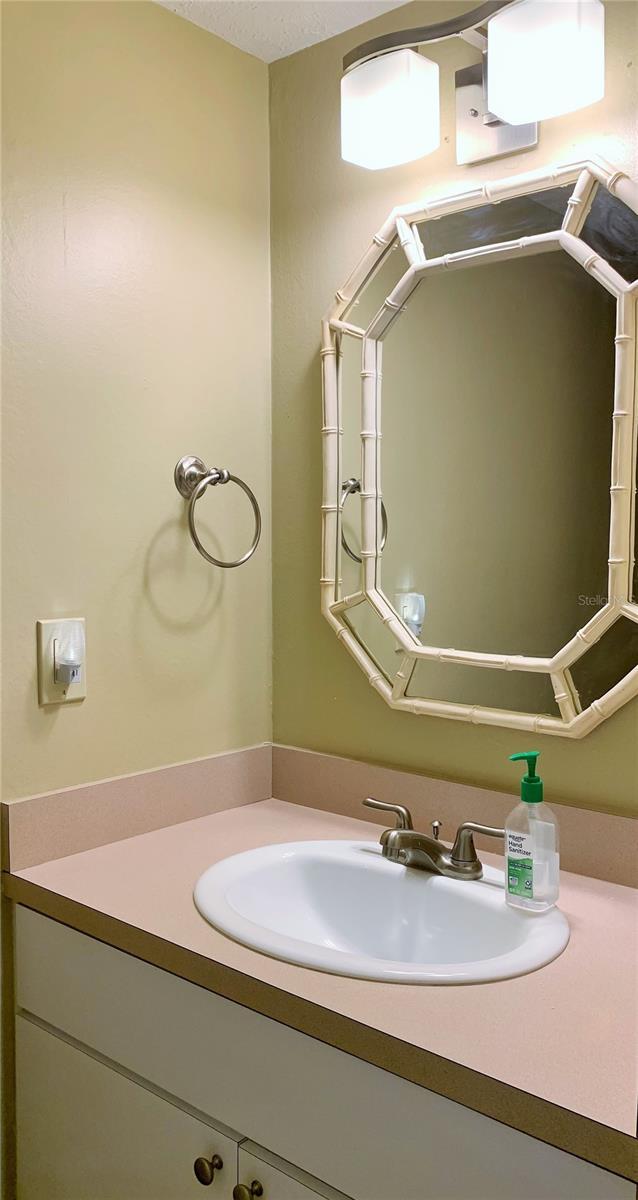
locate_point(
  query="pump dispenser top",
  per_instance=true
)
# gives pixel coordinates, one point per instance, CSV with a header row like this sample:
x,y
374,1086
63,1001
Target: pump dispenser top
x,y
531,784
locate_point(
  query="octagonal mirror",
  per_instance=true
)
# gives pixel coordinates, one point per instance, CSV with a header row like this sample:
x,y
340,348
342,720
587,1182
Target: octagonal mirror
x,y
479,508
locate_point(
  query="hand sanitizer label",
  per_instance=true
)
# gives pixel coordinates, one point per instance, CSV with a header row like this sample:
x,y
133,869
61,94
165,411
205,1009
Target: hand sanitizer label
x,y
520,864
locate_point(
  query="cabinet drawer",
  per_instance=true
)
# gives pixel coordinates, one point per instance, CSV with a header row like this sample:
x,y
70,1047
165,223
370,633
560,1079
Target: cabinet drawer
x,y
86,1132
280,1180
283,1089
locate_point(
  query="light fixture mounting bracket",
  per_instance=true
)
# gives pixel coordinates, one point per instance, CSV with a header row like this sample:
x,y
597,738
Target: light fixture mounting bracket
x,y
479,134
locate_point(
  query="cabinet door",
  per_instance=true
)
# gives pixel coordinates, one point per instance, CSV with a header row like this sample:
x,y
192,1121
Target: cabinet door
x,y
87,1132
278,1179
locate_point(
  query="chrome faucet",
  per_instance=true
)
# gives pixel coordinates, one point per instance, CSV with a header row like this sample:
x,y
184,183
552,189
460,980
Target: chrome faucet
x,y
411,849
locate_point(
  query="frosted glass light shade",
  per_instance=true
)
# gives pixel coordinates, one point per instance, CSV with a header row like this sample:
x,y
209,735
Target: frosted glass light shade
x,y
545,58
390,110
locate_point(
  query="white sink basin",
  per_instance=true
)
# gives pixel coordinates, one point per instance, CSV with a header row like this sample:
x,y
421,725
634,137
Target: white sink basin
x,y
341,907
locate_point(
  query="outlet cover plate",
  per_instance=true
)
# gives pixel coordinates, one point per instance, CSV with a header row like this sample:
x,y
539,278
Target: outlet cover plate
x,y
50,692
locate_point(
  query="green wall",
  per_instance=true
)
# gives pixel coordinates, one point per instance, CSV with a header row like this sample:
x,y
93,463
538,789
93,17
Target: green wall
x,y
136,258
323,214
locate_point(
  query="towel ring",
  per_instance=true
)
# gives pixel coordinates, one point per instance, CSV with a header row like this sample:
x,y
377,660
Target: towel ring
x,y
348,488
192,477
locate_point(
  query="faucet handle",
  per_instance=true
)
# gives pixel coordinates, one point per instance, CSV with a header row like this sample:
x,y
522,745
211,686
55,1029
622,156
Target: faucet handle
x,y
464,850
403,815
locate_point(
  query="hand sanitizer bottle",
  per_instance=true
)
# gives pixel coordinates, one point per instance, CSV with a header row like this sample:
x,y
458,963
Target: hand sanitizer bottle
x,y
531,845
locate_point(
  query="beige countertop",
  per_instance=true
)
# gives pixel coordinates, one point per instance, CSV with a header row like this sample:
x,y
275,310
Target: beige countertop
x,y
554,1053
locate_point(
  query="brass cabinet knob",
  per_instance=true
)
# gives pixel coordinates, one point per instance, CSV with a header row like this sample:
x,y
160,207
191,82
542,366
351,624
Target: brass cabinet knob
x,y
205,1168
241,1192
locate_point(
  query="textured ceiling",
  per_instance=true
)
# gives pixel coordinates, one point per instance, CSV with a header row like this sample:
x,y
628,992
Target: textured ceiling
x,y
271,29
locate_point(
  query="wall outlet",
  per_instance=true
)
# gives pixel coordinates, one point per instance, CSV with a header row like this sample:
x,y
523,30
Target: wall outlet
x,y
61,652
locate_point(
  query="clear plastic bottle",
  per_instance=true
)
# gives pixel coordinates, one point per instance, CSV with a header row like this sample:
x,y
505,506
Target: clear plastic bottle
x,y
531,845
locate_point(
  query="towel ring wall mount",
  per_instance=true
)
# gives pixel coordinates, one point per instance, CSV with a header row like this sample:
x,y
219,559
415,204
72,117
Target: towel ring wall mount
x,y
192,478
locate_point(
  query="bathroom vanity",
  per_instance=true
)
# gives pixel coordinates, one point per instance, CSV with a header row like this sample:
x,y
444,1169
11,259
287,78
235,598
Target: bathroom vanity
x,y
147,1043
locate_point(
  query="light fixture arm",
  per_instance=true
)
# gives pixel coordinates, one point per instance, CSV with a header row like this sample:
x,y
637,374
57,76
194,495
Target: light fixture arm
x,y
466,26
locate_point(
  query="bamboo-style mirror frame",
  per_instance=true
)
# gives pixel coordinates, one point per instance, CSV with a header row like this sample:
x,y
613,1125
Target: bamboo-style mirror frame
x,y
400,230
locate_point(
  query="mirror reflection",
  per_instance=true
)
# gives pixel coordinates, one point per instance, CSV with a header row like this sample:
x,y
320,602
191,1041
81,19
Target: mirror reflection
x,y
384,278
376,637
497,402
607,662
611,229
516,691
522,216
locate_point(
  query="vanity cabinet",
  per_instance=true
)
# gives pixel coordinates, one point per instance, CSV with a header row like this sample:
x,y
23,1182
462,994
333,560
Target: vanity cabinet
x,y
211,1067
87,1132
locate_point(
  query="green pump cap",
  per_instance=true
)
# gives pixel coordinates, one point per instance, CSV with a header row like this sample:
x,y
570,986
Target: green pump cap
x,y
531,784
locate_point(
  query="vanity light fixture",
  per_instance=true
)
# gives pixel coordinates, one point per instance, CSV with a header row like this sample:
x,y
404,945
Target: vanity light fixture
x,y
390,110
546,58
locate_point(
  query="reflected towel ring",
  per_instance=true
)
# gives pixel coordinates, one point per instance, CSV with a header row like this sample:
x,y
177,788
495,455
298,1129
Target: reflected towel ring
x,y
192,477
348,488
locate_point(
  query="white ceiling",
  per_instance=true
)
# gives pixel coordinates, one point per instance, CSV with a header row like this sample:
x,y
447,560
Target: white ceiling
x,y
271,29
